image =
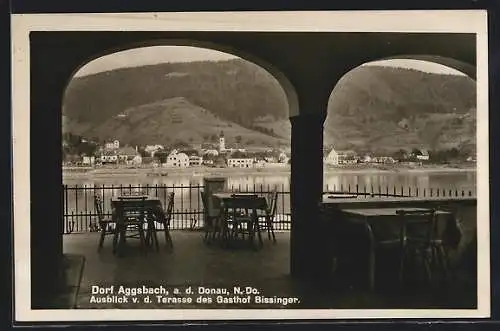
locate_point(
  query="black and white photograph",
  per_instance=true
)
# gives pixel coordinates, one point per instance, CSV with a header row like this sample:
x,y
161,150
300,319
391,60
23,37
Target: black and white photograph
x,y
251,165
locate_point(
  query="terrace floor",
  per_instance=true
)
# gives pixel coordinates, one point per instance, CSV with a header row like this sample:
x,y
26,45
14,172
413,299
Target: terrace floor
x,y
193,263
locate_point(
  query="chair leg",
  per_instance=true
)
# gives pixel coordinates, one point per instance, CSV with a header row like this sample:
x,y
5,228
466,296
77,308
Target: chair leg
x,y
402,265
259,235
154,237
142,237
443,256
101,239
168,239
116,236
207,230
270,230
427,264
371,268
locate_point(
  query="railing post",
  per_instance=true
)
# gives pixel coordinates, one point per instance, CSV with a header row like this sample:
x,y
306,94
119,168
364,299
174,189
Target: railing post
x,y
76,197
85,203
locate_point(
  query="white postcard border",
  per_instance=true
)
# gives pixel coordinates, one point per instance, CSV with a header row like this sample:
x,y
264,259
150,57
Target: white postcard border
x,y
339,21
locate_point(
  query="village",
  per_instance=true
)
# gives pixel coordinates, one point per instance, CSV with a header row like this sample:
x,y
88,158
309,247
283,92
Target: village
x,y
223,155
188,155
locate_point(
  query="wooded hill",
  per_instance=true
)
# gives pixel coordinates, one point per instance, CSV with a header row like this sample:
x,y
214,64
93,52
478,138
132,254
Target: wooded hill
x,y
371,108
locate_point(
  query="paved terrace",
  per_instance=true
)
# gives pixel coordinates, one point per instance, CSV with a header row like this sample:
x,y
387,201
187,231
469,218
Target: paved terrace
x,y
192,263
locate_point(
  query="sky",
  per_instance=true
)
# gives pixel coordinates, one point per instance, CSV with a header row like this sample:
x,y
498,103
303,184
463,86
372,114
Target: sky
x,y
171,54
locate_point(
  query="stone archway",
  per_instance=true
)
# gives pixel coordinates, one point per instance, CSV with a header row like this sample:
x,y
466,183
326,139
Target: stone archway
x,y
306,64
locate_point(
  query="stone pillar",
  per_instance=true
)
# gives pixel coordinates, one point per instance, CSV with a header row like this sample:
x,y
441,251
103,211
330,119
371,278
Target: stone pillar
x,y
46,223
213,185
308,239
46,197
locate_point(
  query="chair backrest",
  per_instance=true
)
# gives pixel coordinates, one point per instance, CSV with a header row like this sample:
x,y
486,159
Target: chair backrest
x,y
418,226
272,200
98,204
204,202
170,208
449,226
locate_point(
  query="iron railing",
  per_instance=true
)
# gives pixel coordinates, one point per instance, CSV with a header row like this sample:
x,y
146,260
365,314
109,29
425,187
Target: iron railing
x,y
79,210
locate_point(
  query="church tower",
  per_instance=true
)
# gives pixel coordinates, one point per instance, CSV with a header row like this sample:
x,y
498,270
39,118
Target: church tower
x,y
222,142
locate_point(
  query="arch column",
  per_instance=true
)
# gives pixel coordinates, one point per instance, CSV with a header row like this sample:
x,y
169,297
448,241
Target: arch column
x,y
308,253
46,224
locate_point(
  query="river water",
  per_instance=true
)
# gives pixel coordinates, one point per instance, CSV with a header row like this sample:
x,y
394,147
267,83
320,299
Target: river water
x,y
187,187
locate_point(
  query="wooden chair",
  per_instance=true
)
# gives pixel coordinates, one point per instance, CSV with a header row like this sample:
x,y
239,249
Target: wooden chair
x,y
211,224
241,213
418,234
385,237
448,235
267,221
132,217
104,224
164,217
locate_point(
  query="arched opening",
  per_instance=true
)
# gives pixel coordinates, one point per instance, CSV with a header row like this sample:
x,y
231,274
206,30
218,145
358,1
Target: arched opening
x,y
406,128
161,119
150,101
398,116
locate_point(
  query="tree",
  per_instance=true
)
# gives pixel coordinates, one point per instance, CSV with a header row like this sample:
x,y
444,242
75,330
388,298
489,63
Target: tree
x,y
179,144
415,151
400,154
161,156
238,139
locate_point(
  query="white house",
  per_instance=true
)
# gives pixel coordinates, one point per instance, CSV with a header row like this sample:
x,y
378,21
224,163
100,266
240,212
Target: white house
x,y
112,145
283,158
367,159
195,161
383,159
135,160
240,162
127,154
88,160
424,156
260,164
332,158
347,157
178,160
109,158
152,149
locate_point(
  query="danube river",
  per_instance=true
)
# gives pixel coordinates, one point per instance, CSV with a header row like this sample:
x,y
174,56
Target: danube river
x,y
463,179
187,185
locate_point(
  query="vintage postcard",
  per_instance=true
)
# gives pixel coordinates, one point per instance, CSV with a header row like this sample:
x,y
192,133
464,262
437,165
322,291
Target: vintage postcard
x,y
251,165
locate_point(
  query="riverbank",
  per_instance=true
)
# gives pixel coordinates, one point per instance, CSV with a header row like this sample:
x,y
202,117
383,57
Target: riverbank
x,y
89,172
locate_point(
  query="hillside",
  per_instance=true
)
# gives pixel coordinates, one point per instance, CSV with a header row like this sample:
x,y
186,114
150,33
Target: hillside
x,y
253,91
371,108
175,119
384,109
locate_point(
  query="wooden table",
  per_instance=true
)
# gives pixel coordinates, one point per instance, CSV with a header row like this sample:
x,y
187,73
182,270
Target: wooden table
x,y
240,201
145,205
370,216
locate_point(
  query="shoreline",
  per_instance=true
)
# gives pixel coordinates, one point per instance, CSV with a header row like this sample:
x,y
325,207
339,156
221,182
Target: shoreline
x,y
88,172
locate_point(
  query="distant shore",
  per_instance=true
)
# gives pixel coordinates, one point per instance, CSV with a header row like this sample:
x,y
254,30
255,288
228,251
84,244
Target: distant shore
x,y
86,172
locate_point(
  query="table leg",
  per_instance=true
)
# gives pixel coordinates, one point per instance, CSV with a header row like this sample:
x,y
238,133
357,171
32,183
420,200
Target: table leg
x,y
257,227
371,257
371,267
